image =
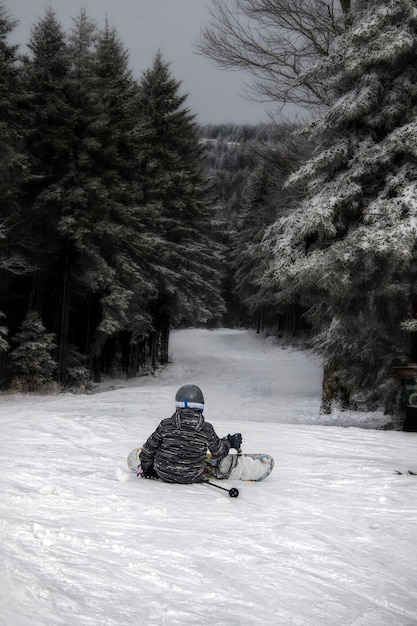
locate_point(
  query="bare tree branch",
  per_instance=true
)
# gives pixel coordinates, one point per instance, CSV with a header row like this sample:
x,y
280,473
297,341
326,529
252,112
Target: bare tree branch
x,y
275,41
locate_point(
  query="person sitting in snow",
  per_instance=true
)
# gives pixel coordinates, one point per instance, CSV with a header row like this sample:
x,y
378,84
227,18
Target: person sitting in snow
x,y
176,451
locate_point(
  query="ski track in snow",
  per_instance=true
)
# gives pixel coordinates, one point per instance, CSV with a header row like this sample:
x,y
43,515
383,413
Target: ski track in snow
x,y
327,540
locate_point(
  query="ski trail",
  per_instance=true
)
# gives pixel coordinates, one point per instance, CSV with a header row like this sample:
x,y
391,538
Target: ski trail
x,y
223,364
328,539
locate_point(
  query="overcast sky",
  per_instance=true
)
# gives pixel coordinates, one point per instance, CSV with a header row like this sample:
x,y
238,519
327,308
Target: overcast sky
x,y
144,26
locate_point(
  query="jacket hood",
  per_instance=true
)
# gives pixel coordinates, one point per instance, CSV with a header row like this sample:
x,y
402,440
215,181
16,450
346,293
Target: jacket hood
x,y
188,417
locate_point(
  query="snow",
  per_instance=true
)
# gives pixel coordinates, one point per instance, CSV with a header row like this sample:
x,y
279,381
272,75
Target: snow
x,y
327,540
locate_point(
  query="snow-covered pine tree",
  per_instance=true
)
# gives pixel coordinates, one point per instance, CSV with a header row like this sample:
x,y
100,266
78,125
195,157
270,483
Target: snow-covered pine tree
x,y
4,344
52,124
32,358
186,268
349,251
12,163
13,175
263,199
77,374
230,156
48,116
102,216
256,214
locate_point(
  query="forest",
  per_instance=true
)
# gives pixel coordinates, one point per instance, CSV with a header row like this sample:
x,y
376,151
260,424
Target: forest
x,y
108,236
122,218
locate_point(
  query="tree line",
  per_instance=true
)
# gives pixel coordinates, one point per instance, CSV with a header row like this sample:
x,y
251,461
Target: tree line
x,y
112,231
249,166
342,242
107,230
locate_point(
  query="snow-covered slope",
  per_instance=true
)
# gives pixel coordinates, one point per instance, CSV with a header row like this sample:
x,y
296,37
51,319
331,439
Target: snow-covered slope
x,y
327,540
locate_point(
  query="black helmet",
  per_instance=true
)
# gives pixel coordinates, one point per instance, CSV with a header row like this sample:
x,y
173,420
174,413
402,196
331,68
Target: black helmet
x,y
189,396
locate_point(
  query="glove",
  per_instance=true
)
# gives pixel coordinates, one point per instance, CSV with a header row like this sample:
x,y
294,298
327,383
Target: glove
x,y
235,440
149,473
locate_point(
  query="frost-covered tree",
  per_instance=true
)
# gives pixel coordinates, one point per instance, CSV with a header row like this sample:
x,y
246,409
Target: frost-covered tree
x,y
12,162
349,251
231,154
52,121
13,165
32,358
14,242
264,198
77,374
257,213
4,345
101,215
179,210
48,114
49,122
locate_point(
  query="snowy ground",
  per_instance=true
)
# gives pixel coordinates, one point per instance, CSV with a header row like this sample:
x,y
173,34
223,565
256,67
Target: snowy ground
x,y
329,539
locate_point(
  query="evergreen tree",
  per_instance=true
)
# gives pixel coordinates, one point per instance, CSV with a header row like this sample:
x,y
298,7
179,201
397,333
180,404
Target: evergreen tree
x,y
231,154
83,200
102,208
72,296
14,244
257,213
12,162
264,198
176,195
48,116
50,141
77,374
349,251
31,359
4,345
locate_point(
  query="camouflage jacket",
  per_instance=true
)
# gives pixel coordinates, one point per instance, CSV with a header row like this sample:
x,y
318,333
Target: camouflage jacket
x,y
178,447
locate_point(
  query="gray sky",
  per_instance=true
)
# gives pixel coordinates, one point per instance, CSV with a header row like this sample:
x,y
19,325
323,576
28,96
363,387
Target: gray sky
x,y
144,26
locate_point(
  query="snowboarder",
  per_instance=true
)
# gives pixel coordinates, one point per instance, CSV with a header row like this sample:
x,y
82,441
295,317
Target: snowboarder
x,y
176,451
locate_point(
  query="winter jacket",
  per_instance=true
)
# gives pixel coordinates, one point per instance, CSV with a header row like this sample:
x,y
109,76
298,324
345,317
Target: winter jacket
x,y
178,447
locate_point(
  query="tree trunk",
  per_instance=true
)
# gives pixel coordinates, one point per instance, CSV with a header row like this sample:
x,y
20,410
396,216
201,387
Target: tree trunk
x,y
65,321
333,392
97,349
346,6
165,326
153,348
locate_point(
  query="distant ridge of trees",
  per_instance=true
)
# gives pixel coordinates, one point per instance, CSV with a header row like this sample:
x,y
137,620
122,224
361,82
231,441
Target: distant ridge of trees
x,y
249,166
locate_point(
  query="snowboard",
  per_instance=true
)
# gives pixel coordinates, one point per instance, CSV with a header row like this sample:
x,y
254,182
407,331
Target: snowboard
x,y
251,467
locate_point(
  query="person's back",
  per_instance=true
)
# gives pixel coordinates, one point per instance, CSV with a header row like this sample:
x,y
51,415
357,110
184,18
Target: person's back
x,y
176,451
